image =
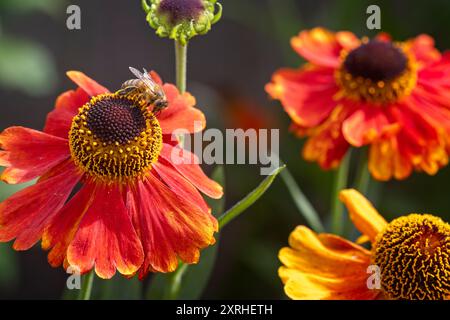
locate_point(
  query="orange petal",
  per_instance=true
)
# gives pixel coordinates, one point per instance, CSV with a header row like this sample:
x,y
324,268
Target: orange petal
x,y
364,216
59,119
323,47
179,185
106,237
307,94
188,167
327,144
365,125
169,226
63,226
180,113
422,47
29,153
27,213
324,267
90,86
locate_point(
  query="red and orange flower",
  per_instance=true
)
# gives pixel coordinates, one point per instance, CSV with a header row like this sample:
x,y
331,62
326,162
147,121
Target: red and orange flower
x,y
134,209
393,96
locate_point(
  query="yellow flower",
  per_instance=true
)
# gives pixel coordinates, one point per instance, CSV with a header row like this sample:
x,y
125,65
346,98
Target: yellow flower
x,y
410,256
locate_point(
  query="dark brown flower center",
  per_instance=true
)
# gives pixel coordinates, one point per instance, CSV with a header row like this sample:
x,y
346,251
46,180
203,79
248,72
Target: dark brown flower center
x,y
114,138
376,60
181,10
113,119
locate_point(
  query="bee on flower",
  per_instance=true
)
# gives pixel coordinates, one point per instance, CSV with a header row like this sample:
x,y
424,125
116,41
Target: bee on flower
x,y
133,209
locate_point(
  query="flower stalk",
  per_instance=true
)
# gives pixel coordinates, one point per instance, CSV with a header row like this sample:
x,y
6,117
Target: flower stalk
x,y
362,180
173,289
86,286
181,65
337,208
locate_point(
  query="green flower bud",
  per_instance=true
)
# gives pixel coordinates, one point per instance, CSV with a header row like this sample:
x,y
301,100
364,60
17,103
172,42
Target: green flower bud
x,y
182,19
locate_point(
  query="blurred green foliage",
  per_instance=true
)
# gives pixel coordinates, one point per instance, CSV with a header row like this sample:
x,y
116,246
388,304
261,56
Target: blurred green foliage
x,y
24,64
50,7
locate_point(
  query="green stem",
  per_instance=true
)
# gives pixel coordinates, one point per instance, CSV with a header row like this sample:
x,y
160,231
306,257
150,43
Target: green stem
x,y
249,199
337,208
181,63
86,286
302,202
174,285
173,289
362,180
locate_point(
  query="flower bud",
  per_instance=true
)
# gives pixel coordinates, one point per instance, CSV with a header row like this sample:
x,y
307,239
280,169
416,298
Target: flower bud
x,y
182,19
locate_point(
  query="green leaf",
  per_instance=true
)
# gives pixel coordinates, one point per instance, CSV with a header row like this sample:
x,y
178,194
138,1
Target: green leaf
x,y
26,66
250,199
302,203
189,281
50,7
8,266
197,276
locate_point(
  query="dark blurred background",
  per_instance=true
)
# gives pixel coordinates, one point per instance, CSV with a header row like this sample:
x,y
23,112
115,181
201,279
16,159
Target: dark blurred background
x,y
227,71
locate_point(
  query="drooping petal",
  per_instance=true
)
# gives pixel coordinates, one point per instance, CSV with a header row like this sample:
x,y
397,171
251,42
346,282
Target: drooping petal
x,y
323,47
364,216
324,267
179,185
184,162
63,226
29,153
307,94
59,119
26,214
106,238
180,113
421,140
365,125
327,144
90,86
169,226
386,160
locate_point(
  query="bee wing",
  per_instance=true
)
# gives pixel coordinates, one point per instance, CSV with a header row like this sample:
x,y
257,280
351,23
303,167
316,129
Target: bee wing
x,y
157,88
146,78
136,72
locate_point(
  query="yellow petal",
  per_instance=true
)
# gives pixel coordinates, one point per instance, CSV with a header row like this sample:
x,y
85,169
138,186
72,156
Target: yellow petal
x,y
324,266
364,216
362,239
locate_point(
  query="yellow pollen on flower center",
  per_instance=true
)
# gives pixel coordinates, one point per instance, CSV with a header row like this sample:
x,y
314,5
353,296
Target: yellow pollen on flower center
x,y
413,253
115,138
377,72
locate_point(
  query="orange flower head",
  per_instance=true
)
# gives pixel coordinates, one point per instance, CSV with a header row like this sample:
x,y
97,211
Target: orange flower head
x,y
412,254
137,209
391,96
